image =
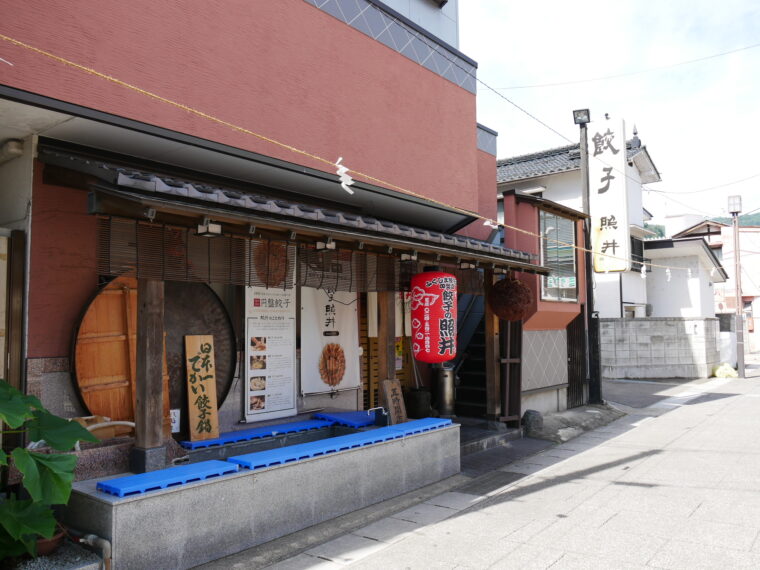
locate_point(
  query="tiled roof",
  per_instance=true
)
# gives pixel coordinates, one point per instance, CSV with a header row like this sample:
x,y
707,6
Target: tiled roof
x,y
184,190
552,161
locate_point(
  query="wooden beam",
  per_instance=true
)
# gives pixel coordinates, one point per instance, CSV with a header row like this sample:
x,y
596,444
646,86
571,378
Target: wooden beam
x,y
386,335
150,353
493,354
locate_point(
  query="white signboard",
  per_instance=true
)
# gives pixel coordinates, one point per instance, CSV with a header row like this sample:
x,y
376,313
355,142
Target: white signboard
x,y
329,341
270,355
608,199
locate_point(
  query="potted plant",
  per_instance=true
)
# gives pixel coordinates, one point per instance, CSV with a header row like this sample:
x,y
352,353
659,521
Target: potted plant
x,y
47,477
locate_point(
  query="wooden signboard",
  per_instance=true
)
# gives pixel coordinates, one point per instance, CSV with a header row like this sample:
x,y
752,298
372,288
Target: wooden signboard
x,y
392,399
203,419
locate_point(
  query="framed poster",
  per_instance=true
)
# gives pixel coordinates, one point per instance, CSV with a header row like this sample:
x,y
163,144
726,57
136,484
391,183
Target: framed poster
x,y
270,354
329,341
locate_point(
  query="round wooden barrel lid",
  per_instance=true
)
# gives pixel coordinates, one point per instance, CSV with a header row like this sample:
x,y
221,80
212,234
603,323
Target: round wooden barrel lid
x,y
105,346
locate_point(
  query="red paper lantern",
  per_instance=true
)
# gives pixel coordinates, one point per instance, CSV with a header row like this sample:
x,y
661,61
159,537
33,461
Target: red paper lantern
x,y
434,316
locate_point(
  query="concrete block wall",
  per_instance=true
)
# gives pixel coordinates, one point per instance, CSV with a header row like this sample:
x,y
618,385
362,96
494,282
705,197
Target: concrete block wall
x,y
659,347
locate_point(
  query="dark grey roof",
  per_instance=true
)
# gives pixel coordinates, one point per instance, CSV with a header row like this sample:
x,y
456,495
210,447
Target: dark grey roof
x,y
172,189
552,161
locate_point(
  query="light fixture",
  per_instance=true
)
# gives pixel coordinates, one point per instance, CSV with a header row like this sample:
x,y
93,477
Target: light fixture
x,y
207,228
734,205
466,265
581,116
409,256
251,229
292,236
150,213
322,245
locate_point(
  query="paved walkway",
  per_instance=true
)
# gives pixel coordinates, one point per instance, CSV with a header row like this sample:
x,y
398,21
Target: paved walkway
x,y
672,485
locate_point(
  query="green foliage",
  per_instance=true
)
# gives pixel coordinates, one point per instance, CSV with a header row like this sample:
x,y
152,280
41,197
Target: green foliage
x,y
656,228
747,220
22,523
47,477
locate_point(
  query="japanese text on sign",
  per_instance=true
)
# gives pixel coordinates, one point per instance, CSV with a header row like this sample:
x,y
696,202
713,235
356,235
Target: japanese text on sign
x,y
201,387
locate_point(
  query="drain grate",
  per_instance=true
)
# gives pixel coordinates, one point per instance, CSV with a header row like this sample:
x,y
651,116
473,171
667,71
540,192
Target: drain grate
x,y
490,482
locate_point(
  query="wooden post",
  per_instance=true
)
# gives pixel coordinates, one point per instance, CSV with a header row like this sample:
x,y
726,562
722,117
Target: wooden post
x,y
493,354
386,336
149,453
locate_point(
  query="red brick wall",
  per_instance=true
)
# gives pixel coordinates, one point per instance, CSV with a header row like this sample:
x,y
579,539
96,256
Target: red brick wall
x,y
281,68
63,273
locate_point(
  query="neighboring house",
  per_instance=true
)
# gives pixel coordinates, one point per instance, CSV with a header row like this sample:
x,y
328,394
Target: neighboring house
x,y
156,223
625,302
554,341
720,237
555,175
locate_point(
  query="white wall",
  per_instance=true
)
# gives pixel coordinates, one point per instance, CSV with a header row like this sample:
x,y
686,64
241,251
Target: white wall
x,y
634,290
607,295
682,296
16,188
441,22
563,188
633,191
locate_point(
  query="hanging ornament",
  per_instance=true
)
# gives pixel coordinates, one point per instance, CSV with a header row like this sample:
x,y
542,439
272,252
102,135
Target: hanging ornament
x,y
712,272
345,179
667,274
643,271
510,299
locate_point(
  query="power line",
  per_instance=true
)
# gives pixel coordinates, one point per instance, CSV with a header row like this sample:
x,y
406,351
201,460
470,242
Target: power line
x,y
299,151
630,73
708,188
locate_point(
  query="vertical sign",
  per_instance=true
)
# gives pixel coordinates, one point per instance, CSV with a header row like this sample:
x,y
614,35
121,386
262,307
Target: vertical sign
x,y
392,399
329,340
201,387
270,355
608,198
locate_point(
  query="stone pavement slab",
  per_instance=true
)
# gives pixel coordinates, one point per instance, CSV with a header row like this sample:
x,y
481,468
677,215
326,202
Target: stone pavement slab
x,y
675,486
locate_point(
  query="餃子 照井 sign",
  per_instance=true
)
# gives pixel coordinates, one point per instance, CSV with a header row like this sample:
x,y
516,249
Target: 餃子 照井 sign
x,y
608,198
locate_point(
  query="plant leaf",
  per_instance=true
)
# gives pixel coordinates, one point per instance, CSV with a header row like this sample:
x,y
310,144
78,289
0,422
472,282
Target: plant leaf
x,y
15,407
47,477
59,433
3,458
9,547
25,520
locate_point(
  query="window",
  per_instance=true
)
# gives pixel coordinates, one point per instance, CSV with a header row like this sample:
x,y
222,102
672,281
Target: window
x,y
558,254
637,254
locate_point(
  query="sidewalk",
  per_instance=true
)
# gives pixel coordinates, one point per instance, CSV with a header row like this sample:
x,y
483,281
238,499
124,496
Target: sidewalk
x,y
671,485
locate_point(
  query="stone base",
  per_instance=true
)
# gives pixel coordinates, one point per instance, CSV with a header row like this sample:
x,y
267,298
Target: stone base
x,y
142,460
192,524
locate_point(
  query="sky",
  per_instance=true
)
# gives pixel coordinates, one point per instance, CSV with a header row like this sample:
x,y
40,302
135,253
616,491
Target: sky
x,y
699,121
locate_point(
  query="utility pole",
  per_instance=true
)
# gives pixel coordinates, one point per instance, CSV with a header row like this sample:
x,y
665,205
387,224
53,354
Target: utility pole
x,y
581,118
735,208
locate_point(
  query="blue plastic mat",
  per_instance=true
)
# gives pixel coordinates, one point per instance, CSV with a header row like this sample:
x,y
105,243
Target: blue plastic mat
x,y
350,419
418,426
164,478
257,433
271,457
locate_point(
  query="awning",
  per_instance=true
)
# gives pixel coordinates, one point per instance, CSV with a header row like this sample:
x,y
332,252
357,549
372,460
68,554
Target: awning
x,y
133,191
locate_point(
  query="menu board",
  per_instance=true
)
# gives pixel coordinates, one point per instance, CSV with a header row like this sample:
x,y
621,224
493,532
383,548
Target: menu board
x,y
270,359
329,341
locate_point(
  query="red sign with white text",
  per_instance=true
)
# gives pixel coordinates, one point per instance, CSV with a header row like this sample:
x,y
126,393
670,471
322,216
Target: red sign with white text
x,y
434,316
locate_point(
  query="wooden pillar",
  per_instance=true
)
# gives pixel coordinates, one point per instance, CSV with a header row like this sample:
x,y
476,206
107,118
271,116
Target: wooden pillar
x,y
386,336
149,453
493,354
